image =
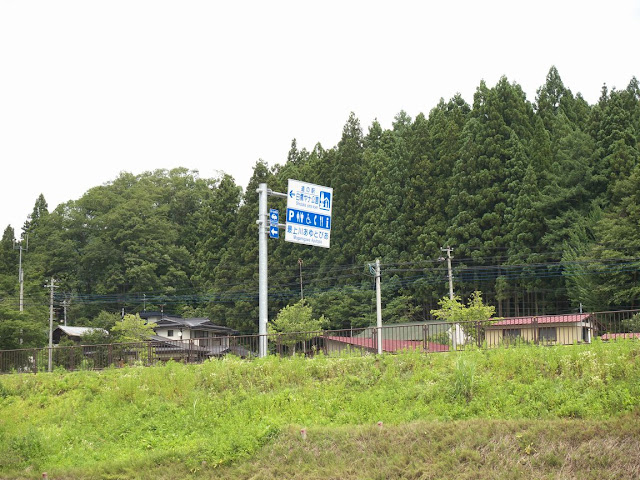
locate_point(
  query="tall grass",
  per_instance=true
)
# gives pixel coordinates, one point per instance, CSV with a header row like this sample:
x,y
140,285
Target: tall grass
x,y
121,421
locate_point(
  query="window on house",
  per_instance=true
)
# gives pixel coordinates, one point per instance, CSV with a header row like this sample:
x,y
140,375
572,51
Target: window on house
x,y
200,334
169,333
510,333
547,334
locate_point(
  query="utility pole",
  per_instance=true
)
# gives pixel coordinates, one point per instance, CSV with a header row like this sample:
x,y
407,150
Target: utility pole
x,y
301,291
64,306
52,285
20,271
378,307
449,257
455,328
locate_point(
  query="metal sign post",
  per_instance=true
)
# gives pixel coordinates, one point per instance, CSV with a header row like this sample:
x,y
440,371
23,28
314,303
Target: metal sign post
x,y
262,268
267,223
308,221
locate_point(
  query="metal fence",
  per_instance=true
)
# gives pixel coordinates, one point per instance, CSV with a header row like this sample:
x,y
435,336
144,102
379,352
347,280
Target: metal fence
x,y
428,337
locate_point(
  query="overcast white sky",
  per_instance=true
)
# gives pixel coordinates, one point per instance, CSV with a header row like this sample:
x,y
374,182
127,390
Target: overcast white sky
x,y
91,88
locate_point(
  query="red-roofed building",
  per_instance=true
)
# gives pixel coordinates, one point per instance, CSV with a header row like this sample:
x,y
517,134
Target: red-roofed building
x,y
619,336
547,329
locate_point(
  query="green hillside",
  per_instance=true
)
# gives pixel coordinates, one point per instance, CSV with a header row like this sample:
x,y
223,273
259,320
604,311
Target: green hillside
x,y
536,196
564,412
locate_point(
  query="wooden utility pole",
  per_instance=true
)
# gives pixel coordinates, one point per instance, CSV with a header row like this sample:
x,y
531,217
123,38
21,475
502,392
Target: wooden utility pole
x,y
455,329
301,290
449,257
52,285
20,271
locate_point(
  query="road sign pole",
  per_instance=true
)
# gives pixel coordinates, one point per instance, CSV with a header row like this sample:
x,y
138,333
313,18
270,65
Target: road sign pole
x,y
263,222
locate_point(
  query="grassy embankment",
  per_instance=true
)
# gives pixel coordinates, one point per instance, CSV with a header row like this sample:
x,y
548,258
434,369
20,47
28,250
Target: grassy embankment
x,y
530,412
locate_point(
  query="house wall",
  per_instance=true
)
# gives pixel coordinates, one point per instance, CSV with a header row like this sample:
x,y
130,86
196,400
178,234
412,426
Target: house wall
x,y
493,337
187,334
163,332
566,334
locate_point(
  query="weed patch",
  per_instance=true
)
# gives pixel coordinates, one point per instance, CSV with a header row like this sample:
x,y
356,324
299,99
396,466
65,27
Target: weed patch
x,y
193,420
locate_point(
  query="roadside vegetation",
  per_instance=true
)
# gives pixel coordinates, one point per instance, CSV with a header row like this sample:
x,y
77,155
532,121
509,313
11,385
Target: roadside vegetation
x,y
487,408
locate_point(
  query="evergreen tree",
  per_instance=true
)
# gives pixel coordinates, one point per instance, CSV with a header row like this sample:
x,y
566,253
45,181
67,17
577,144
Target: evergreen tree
x,y
215,229
39,212
615,130
8,263
614,277
487,177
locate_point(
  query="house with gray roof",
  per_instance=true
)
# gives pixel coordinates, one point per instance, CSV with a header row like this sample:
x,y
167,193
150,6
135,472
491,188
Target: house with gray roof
x,y
200,334
178,328
74,333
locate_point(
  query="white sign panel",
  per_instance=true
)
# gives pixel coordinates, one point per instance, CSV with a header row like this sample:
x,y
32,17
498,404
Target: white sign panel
x,y
308,214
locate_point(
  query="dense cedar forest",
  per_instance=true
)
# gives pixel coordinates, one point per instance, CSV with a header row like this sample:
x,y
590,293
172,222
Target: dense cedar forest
x,y
540,201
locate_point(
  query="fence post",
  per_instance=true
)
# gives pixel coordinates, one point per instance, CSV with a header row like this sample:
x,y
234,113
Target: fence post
x,y
425,338
478,341
72,358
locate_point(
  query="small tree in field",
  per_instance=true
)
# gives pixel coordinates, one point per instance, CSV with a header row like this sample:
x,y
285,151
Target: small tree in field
x,y
132,328
453,310
294,321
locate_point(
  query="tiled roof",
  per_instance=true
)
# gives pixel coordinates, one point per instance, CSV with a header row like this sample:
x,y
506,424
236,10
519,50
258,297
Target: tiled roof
x,y
615,336
193,323
541,319
80,331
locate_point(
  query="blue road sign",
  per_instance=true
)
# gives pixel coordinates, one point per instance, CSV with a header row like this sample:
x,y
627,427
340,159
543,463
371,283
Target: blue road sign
x,y
309,214
274,216
274,232
309,219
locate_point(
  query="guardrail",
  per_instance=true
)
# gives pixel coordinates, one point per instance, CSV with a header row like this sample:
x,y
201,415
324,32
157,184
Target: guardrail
x,y
428,337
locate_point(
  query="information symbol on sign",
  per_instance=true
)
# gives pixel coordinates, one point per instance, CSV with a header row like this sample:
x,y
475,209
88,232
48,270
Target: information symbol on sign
x,y
325,201
274,232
